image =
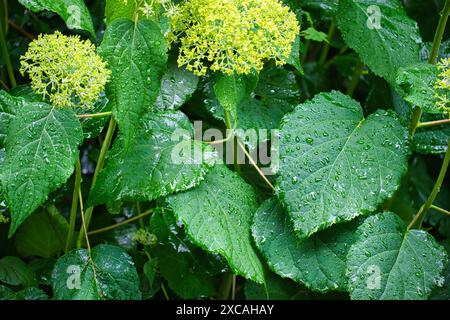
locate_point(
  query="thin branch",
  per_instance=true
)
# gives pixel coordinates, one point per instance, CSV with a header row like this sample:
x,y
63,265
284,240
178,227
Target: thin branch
x,y
441,210
149,212
94,115
255,165
433,123
19,29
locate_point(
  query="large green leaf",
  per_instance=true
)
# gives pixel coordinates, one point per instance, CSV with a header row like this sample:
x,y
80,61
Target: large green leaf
x,y
336,165
188,269
137,55
443,293
43,234
217,216
162,160
30,293
416,85
107,273
319,262
74,12
384,47
15,272
41,151
390,262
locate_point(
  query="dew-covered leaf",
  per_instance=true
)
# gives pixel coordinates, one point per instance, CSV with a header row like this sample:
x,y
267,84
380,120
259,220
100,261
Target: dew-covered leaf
x,y
416,85
318,262
137,55
107,274
41,151
336,165
177,86
217,216
382,34
162,160
73,12
390,262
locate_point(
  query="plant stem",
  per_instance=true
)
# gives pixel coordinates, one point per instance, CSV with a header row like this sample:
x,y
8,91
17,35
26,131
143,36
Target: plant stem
x,y
100,163
255,165
94,115
439,32
305,55
433,123
326,47
6,58
355,79
122,223
74,208
229,127
418,219
19,29
415,120
441,210
225,287
233,288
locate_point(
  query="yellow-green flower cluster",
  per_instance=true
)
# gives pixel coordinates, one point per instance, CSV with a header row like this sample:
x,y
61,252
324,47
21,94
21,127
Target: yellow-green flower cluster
x,y
65,70
233,36
442,86
3,219
152,8
144,237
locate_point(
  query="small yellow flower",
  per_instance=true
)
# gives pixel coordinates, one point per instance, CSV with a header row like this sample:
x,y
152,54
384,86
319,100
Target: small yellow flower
x,y
442,86
3,219
233,36
66,70
144,237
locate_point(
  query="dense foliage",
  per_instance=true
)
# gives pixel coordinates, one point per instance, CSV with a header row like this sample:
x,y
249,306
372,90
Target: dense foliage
x,y
225,149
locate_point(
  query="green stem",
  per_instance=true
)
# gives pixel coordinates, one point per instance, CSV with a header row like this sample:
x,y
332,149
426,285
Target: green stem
x,y
415,121
441,210
433,123
94,115
355,79
225,287
6,58
117,225
418,219
305,55
100,163
326,47
229,127
439,32
74,208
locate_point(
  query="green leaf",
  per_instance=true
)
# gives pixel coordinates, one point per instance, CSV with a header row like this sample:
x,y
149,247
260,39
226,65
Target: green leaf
x,y
319,262
384,47
276,94
137,55
74,12
15,272
294,58
108,273
432,140
443,293
277,289
313,34
186,267
43,234
177,87
231,90
30,293
41,151
416,85
390,262
336,165
164,159
8,108
217,216
116,9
